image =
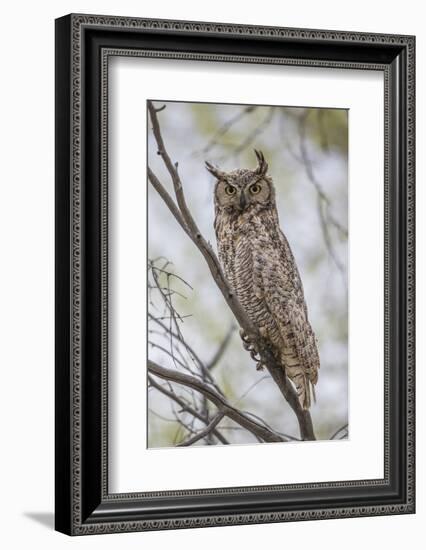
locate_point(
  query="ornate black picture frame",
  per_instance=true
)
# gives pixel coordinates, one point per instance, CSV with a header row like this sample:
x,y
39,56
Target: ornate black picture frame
x,y
83,46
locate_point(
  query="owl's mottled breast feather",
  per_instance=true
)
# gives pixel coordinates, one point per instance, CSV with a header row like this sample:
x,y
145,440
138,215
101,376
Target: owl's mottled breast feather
x,y
262,271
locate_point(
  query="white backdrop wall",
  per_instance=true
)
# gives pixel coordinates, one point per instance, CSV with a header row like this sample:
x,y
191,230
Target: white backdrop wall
x,y
27,243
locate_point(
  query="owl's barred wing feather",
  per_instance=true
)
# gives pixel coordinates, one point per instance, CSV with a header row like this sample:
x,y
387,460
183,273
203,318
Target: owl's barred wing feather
x,y
299,354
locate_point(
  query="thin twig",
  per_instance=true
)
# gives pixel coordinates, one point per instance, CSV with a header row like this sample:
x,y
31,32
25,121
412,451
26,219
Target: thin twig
x,y
251,387
345,427
221,349
203,433
185,407
226,126
191,351
251,137
324,203
220,402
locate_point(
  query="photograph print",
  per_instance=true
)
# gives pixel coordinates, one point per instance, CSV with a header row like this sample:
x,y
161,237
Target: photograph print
x,y
247,274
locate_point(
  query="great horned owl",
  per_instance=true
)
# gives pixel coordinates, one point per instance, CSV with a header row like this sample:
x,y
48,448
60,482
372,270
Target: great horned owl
x,y
261,270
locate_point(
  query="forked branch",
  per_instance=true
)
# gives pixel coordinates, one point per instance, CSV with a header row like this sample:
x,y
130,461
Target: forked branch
x,y
225,408
185,407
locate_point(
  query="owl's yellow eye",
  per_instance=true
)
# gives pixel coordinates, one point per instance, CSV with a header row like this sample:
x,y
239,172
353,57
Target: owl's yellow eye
x,y
255,188
229,190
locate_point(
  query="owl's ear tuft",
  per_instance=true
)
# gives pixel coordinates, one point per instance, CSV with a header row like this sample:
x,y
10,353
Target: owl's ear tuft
x,y
215,171
262,165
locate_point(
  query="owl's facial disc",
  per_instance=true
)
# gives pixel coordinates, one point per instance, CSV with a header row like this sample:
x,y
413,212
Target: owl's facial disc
x,y
242,191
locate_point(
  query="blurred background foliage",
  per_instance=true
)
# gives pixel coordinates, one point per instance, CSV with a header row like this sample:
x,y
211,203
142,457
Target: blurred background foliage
x,y
307,153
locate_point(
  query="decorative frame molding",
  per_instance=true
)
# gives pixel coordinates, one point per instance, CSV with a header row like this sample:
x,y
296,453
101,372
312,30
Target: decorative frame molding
x,y
84,44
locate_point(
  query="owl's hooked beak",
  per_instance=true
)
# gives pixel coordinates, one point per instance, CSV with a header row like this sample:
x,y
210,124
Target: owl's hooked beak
x,y
243,202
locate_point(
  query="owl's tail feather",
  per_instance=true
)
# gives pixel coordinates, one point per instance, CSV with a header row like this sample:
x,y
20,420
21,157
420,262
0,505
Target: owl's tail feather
x,y
304,387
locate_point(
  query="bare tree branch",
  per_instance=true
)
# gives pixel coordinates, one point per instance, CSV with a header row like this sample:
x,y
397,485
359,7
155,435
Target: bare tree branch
x,y
175,359
262,421
178,344
155,182
162,417
185,219
251,387
203,433
342,432
204,369
185,407
251,136
220,402
221,349
226,126
324,203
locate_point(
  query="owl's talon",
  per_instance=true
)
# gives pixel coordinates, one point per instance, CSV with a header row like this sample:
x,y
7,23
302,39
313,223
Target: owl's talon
x,y
251,347
244,336
254,357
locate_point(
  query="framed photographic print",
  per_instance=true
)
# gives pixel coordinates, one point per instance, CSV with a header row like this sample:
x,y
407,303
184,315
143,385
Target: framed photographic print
x,y
234,274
